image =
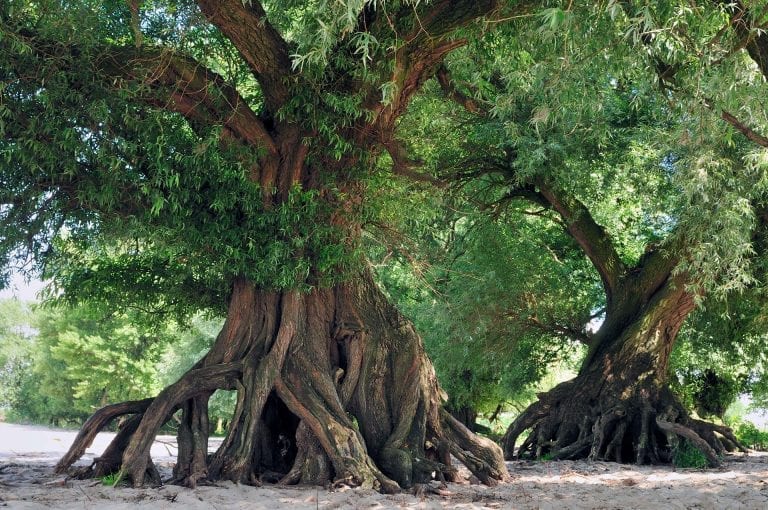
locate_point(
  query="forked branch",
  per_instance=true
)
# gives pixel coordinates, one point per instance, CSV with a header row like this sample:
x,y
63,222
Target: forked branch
x,y
246,25
590,236
424,48
189,88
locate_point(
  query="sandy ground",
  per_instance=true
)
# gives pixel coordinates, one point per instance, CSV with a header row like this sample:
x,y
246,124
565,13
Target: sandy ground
x,y
27,456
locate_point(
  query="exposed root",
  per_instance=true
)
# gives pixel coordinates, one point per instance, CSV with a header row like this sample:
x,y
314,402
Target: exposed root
x,y
574,450
94,425
481,456
727,436
333,388
311,466
639,429
193,383
109,461
192,442
693,437
340,441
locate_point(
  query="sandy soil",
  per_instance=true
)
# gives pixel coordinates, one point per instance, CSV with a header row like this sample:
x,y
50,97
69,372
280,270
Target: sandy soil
x,y
27,456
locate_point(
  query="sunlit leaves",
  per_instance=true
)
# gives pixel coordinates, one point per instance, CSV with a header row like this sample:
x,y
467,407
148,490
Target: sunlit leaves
x,y
84,358
16,350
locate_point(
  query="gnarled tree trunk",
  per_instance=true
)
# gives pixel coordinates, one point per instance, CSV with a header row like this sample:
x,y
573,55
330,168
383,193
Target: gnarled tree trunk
x,y
333,386
620,407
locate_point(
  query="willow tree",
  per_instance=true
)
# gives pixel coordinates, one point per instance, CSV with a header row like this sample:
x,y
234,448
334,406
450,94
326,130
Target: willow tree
x,y
623,123
179,155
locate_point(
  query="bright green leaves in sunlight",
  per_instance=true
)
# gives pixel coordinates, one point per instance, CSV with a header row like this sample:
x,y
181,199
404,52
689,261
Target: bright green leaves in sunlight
x,y
70,361
59,364
16,350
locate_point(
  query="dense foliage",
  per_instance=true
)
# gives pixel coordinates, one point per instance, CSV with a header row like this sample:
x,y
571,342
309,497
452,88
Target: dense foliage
x,y
115,198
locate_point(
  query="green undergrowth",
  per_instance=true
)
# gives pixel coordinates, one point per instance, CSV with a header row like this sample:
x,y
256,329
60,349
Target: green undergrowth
x,y
686,455
111,479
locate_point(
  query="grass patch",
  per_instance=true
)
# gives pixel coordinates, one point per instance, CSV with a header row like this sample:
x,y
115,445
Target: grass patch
x,y
685,455
111,479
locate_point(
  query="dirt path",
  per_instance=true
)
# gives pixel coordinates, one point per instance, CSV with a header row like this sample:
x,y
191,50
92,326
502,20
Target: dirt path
x,y
27,456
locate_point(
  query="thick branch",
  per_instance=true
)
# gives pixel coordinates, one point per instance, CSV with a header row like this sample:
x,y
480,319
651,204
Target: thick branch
x,y
192,90
529,193
656,266
425,47
744,129
455,95
262,47
591,237
179,84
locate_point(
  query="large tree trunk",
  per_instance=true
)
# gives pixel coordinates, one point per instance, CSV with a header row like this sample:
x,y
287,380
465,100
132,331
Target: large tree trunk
x,y
620,407
333,386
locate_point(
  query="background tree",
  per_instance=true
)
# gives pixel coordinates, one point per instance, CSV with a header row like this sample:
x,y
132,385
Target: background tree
x,y
15,350
178,156
80,359
654,188
498,299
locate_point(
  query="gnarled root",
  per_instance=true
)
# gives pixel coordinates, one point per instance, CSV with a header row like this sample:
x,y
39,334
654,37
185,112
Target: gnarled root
x,y
333,387
570,423
482,456
95,424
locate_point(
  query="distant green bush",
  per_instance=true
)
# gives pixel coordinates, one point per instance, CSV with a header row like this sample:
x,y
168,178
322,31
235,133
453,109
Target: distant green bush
x,y
752,437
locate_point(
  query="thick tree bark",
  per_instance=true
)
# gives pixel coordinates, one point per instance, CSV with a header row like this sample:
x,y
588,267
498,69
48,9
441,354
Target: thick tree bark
x,y
333,386
619,407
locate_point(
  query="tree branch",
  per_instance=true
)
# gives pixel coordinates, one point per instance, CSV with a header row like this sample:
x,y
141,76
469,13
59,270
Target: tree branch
x,y
425,47
246,25
405,166
193,90
590,236
529,193
179,84
558,329
455,95
744,129
756,41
